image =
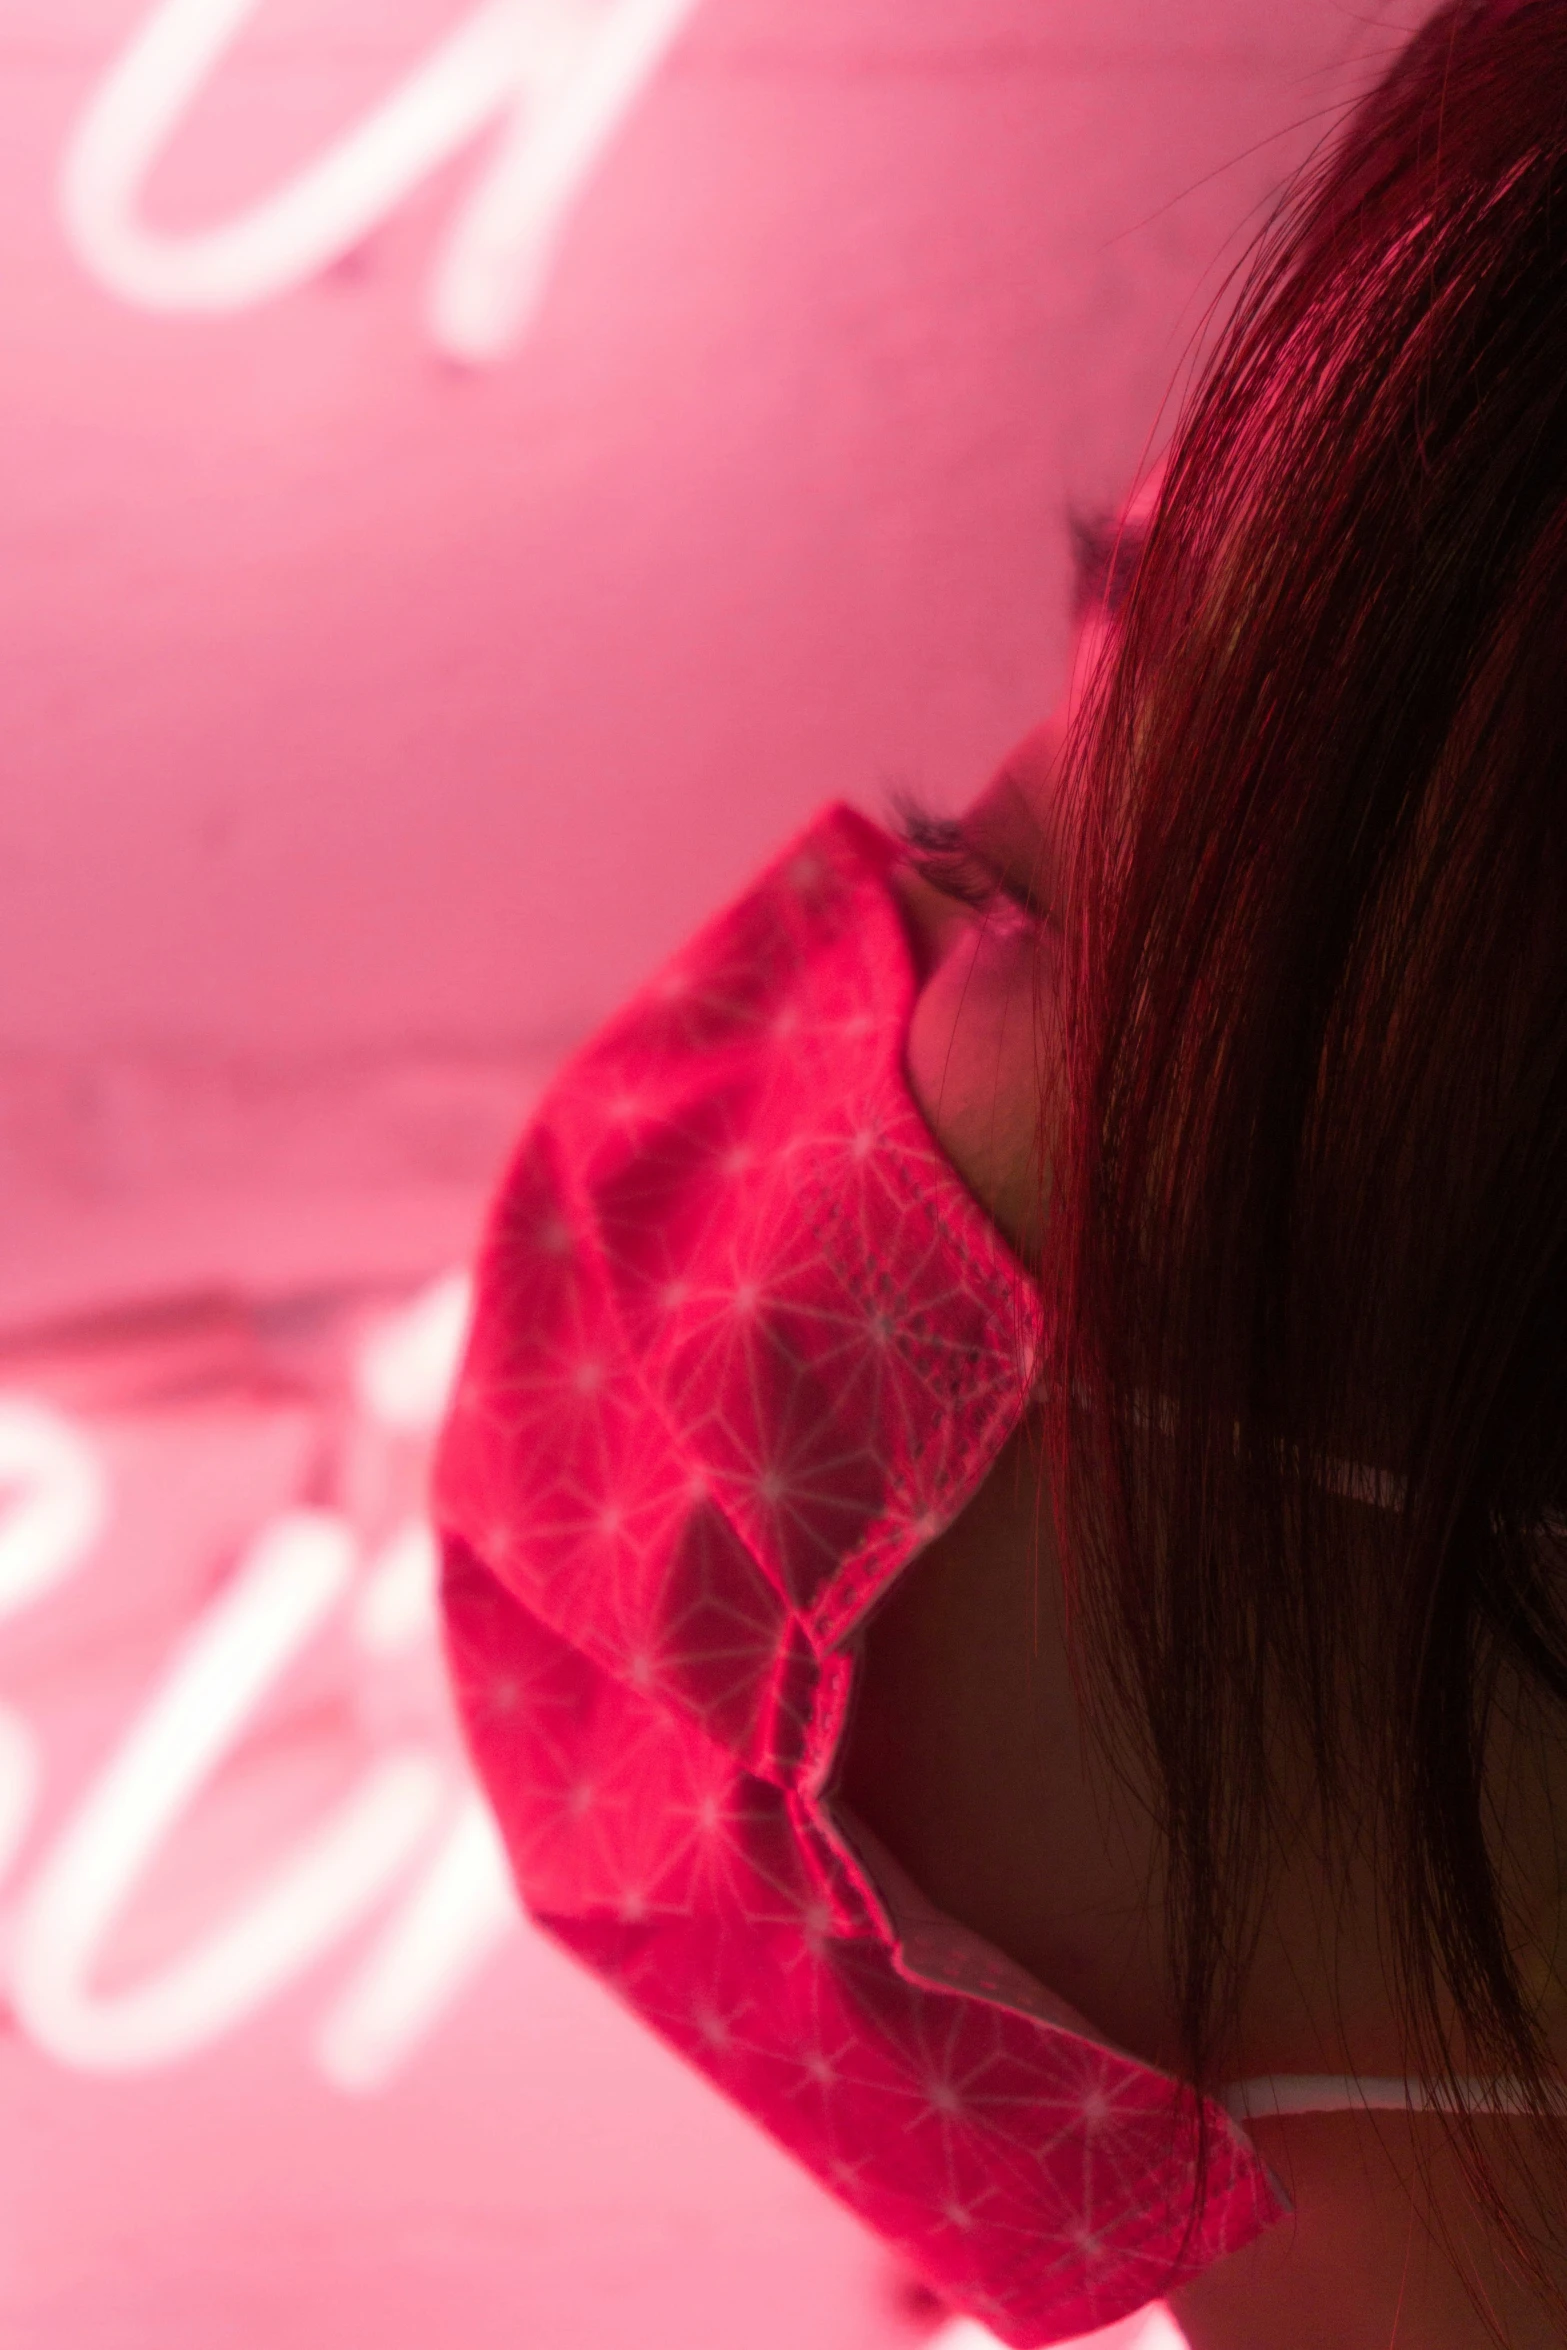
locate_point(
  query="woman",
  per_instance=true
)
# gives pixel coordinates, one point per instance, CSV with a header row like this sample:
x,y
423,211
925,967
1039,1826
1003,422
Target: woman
x,y
1002,1518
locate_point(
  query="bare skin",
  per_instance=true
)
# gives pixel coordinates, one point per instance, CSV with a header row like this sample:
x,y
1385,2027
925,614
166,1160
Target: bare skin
x,y
968,1757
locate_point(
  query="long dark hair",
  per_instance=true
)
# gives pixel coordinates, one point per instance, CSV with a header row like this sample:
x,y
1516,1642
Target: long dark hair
x,y
1307,1244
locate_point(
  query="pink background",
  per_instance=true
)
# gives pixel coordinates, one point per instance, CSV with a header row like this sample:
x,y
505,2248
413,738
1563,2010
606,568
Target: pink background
x,y
370,725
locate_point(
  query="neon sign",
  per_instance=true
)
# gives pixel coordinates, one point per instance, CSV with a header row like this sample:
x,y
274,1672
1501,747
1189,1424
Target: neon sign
x,y
554,78
58,1507
297,1571
412,1839
412,1831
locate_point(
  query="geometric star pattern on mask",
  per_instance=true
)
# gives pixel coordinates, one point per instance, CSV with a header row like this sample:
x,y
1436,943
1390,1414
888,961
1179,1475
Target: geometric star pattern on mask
x,y
743,1344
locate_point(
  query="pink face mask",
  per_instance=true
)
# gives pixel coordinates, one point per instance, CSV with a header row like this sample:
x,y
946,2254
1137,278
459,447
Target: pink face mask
x,y
744,1343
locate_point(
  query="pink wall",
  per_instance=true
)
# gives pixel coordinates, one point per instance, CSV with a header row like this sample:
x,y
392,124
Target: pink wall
x,y
369,725
350,699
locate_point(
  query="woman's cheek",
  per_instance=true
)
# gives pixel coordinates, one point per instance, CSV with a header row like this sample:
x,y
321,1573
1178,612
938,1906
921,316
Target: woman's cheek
x,y
975,1067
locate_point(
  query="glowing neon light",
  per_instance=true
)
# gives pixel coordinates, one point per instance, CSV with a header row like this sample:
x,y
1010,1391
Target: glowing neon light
x,y
460,1911
295,1573
57,1508
1151,2329
20,1774
396,1608
408,1365
493,277
559,78
299,1570
57,1501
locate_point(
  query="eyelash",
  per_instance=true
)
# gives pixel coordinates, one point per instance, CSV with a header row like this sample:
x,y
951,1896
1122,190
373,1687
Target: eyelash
x,y
942,854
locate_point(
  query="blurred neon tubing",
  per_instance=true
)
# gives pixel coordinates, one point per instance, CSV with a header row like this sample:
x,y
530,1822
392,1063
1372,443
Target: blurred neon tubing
x,y
492,276
407,1367
58,1502
440,1935
294,1575
21,1774
398,1606
316,217
564,77
58,1506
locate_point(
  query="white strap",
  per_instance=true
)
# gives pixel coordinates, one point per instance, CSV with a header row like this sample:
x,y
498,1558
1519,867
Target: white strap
x,y
1281,2093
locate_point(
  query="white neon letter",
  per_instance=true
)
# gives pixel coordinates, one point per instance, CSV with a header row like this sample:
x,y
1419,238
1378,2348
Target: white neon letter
x,y
20,1774
562,76
492,276
437,1939
1151,2329
296,1572
408,1364
398,1604
57,1506
57,1501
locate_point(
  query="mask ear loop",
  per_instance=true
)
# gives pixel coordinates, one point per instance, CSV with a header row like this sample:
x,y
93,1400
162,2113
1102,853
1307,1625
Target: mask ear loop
x,y
1276,2094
